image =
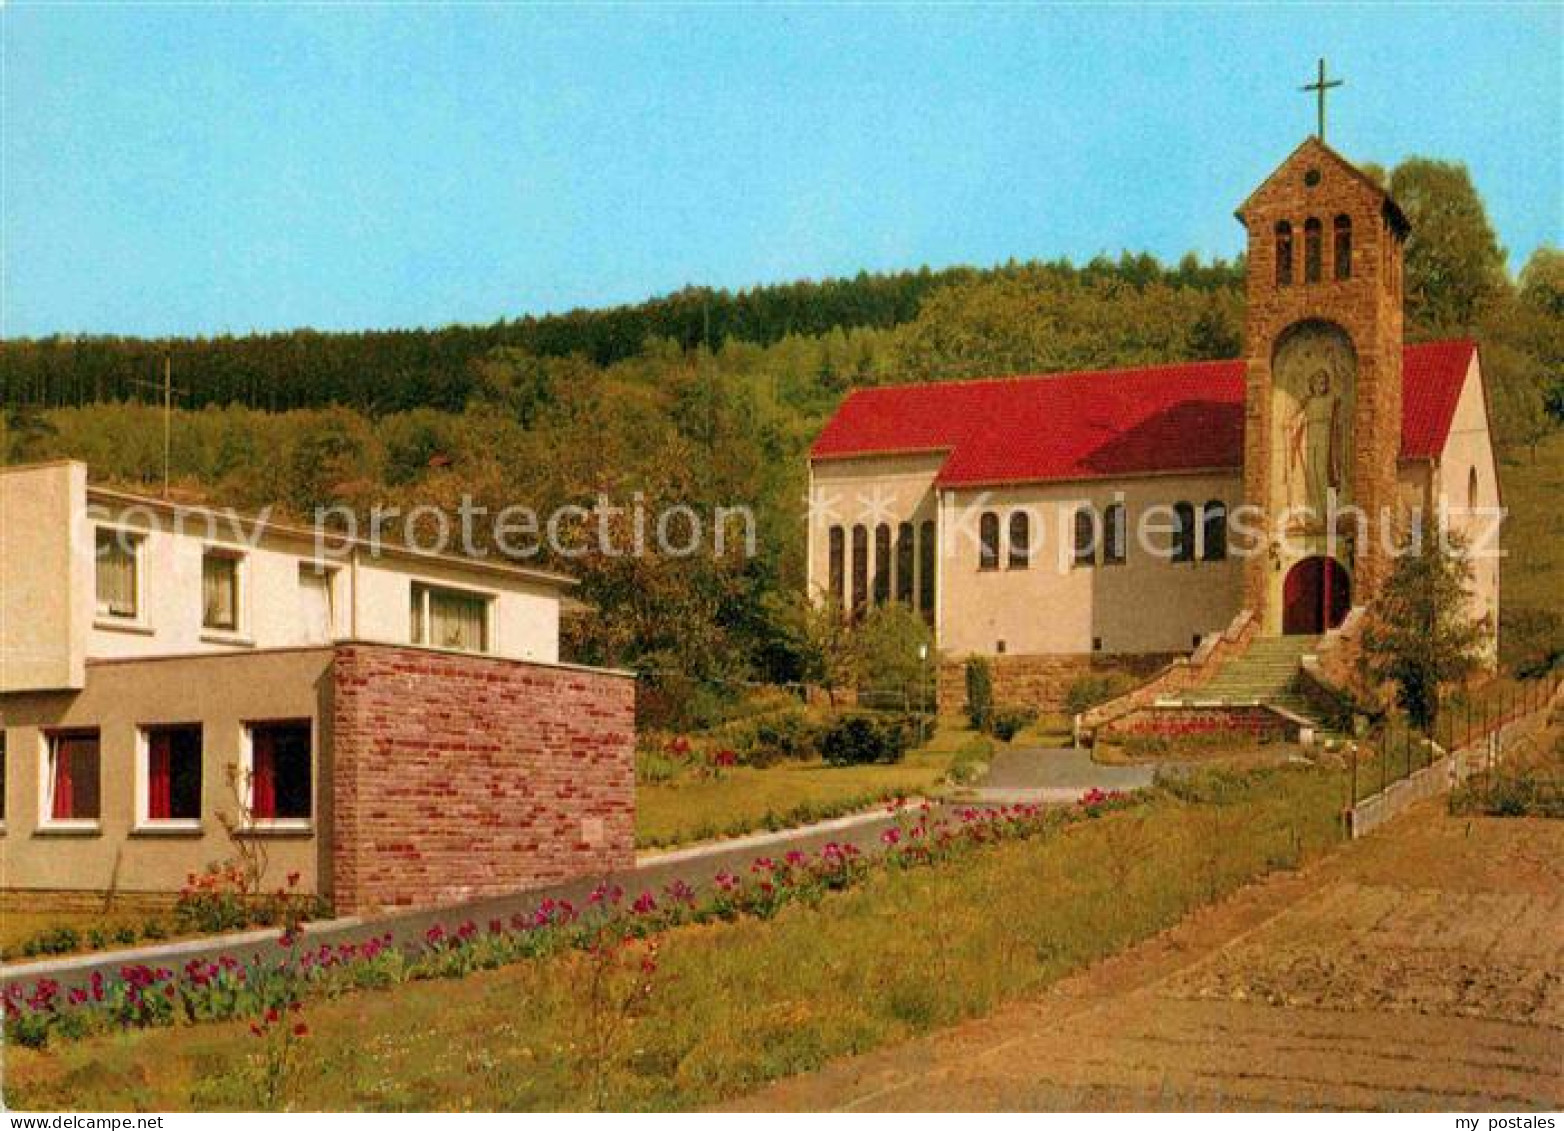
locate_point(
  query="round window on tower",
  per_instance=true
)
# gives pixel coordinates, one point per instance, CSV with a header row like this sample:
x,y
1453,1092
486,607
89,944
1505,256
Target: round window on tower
x,y
1312,177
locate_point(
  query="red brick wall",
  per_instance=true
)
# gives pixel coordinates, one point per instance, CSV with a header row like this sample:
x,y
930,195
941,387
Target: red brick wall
x,y
453,777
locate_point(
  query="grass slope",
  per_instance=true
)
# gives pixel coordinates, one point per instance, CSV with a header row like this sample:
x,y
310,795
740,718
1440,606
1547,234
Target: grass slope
x,y
737,1004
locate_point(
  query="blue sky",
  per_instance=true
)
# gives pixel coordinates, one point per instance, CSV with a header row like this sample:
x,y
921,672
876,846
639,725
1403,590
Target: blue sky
x,y
180,169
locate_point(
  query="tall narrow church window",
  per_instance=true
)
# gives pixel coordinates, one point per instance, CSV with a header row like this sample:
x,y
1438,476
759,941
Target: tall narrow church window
x,y
904,564
988,541
860,593
1283,253
1020,555
882,563
1183,532
837,540
1471,490
1312,251
1214,521
1341,251
1085,537
926,556
1114,534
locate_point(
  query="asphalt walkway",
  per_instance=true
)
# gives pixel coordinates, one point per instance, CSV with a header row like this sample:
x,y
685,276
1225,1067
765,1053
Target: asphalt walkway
x,y
695,865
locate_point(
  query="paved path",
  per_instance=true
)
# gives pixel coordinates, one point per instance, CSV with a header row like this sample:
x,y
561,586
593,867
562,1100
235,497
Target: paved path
x,y
1418,969
1053,775
695,866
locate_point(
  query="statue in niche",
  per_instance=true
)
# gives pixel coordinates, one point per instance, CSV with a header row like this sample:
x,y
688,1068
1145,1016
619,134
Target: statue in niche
x,y
1314,371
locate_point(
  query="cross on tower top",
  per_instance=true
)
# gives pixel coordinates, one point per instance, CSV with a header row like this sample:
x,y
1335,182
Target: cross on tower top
x,y
1319,86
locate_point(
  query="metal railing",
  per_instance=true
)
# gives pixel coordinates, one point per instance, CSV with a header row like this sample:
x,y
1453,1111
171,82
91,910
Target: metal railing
x,y
1401,751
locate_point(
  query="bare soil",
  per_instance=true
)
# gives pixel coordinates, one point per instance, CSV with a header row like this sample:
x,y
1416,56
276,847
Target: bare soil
x,y
1419,969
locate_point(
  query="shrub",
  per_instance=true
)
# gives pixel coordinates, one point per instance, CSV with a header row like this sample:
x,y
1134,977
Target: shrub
x,y
858,740
1007,722
1088,691
980,693
785,737
653,767
52,940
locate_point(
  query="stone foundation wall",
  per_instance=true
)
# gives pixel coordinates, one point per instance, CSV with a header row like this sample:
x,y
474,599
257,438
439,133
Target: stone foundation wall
x,y
455,776
1179,722
1041,681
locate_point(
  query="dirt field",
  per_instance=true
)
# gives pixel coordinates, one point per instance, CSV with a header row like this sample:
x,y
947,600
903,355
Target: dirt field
x,y
1421,968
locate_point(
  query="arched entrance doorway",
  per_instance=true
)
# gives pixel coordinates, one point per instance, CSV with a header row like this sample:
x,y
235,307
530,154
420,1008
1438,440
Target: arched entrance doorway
x,y
1315,596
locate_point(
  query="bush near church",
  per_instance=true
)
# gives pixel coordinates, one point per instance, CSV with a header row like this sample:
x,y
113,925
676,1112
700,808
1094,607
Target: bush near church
x,y
860,740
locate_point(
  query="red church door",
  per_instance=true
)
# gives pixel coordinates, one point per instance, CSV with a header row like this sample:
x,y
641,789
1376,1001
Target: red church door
x,y
1315,597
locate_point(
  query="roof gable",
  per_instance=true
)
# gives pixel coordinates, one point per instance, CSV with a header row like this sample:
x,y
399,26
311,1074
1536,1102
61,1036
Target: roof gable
x,y
1108,423
1311,150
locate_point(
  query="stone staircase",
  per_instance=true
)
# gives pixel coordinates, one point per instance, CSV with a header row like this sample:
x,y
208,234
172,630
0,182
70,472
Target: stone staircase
x,y
1267,673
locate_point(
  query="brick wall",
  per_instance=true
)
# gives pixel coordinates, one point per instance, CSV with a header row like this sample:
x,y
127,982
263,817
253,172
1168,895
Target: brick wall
x,y
453,777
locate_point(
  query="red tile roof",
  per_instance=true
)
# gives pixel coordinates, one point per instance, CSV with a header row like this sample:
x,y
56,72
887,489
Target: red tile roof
x,y
1094,425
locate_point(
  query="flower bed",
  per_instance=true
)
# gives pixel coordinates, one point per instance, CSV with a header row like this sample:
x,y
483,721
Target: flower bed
x,y
264,988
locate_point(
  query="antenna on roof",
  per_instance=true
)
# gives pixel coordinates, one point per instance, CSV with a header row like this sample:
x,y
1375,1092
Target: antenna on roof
x,y
168,390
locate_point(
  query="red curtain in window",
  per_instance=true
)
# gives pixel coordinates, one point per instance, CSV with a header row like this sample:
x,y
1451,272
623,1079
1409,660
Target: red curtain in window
x,y
64,789
263,776
160,801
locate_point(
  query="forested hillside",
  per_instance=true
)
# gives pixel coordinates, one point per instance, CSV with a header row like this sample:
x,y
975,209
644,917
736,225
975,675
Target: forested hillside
x,y
390,370
706,398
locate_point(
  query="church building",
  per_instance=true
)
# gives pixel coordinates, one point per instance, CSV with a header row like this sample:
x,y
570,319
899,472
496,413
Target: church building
x,y
1181,514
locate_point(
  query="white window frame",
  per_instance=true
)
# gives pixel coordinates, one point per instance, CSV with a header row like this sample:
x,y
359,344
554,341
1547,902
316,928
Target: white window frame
x,y
489,598
137,541
144,822
47,822
332,576
240,632
247,763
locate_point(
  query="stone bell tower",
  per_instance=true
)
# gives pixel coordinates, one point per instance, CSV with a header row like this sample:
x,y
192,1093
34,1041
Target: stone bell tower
x,y
1322,416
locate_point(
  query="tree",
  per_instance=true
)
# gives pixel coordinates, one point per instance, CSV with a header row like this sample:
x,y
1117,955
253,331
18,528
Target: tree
x,y
1454,264
1518,397
1542,281
819,636
893,646
1419,633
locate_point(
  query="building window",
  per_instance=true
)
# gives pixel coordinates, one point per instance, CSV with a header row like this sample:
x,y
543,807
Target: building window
x,y
1020,555
1341,253
988,541
2,778
450,618
1312,251
171,779
926,567
882,563
71,777
317,610
860,567
279,765
220,591
1114,535
1471,490
118,554
1183,532
1214,522
836,565
1085,537
904,558
1283,253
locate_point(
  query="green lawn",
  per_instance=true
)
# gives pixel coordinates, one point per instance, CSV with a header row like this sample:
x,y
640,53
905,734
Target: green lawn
x,y
743,799
733,1005
1532,573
